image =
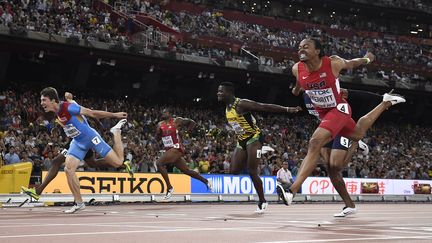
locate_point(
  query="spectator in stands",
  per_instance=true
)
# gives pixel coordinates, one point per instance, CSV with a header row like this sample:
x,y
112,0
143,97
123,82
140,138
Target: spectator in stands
x,y
284,177
11,157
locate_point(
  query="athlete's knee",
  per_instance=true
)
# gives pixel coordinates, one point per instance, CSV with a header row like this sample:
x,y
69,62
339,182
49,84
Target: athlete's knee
x,y
70,168
315,144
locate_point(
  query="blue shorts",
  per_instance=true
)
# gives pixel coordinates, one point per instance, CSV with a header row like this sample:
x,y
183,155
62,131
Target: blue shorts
x,y
339,142
78,149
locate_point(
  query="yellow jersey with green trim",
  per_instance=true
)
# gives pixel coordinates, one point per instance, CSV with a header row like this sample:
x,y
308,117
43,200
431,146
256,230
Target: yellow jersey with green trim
x,y
243,125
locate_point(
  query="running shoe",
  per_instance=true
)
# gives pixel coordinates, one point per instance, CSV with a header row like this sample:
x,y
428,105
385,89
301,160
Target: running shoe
x,y
345,212
169,193
31,192
262,207
75,208
393,98
364,148
118,126
210,186
128,168
280,190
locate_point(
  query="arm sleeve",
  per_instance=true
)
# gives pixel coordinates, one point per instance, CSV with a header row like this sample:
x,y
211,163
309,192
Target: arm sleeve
x,y
74,109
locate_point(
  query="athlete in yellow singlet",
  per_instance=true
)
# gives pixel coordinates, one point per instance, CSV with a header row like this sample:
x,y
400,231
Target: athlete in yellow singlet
x,y
249,136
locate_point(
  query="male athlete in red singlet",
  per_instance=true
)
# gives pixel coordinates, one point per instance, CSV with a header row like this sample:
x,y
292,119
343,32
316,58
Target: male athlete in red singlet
x,y
318,75
168,131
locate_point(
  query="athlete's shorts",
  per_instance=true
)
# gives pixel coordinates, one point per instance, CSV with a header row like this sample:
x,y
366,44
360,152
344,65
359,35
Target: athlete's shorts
x,y
339,142
338,121
78,149
181,148
242,144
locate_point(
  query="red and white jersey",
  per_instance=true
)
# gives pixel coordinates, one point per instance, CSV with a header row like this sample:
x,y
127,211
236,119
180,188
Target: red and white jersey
x,y
321,86
170,136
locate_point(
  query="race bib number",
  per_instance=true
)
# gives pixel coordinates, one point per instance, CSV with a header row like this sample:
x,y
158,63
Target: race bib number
x,y
96,140
322,98
343,107
259,152
237,128
71,131
345,142
168,142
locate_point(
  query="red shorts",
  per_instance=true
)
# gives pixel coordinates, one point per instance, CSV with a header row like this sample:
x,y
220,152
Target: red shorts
x,y
181,149
338,120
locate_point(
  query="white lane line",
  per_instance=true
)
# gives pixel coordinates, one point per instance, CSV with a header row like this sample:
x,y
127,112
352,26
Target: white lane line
x,y
352,239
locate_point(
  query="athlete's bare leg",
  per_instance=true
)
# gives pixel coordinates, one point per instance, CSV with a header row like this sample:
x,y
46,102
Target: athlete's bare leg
x,y
52,172
252,165
182,166
366,121
71,164
319,138
238,161
170,156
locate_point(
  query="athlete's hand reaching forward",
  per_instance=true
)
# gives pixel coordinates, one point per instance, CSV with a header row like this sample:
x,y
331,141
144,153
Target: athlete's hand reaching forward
x,y
370,56
294,109
120,115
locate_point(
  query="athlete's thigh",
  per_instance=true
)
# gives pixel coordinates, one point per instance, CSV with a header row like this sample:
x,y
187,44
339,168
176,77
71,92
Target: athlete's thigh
x,y
76,150
238,160
101,147
337,158
254,155
170,156
180,163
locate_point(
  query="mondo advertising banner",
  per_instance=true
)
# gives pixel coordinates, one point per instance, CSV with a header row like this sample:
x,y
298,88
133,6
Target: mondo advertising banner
x,y
323,185
101,182
230,184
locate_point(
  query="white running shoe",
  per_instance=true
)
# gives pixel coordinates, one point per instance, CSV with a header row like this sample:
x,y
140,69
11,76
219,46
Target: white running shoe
x,y
345,212
210,186
364,148
75,208
262,207
118,126
169,194
287,197
282,194
393,98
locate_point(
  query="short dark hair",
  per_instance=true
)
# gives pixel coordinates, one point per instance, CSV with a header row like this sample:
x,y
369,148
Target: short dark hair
x,y
318,46
229,86
51,93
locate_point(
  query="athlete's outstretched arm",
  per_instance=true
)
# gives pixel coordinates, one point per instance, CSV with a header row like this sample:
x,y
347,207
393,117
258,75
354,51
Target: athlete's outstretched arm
x,y
102,114
246,105
185,123
339,63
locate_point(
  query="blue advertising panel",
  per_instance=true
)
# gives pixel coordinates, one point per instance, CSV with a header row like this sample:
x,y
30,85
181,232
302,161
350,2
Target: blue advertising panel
x,y
231,184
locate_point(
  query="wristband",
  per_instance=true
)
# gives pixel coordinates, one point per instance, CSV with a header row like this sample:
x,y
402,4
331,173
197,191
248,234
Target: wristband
x,y
367,60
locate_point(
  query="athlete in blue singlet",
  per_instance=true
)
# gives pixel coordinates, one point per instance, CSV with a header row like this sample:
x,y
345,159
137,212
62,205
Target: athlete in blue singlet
x,y
84,137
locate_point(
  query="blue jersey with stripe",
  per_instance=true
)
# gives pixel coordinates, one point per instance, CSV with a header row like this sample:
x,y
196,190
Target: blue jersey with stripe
x,y
74,124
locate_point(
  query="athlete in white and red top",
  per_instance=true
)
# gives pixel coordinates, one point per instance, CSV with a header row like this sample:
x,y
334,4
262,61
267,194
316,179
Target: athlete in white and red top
x,y
318,75
169,131
170,136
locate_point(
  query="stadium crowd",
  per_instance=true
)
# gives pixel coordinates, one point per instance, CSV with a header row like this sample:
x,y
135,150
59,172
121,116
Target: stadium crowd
x,y
77,18
396,150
